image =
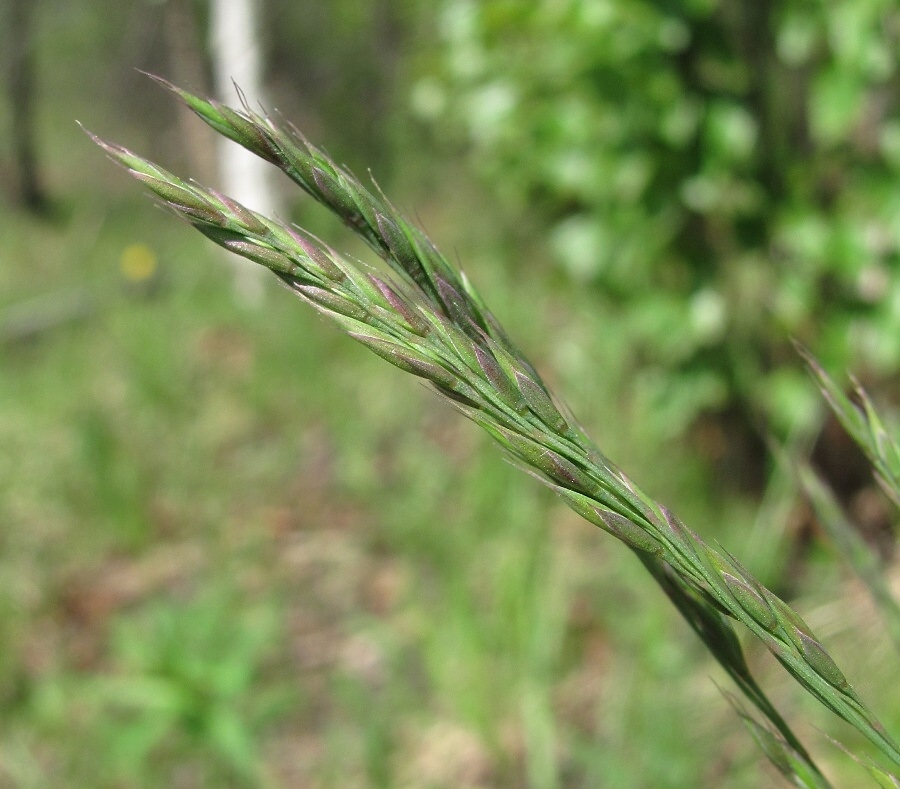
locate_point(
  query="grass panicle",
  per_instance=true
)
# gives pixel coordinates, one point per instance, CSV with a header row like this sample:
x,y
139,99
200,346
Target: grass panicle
x,y
865,426
432,323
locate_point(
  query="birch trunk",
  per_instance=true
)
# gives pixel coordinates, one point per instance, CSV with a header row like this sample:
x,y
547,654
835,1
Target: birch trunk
x,y
237,60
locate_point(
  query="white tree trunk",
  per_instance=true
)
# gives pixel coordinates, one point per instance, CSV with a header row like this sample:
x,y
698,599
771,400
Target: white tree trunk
x,y
237,60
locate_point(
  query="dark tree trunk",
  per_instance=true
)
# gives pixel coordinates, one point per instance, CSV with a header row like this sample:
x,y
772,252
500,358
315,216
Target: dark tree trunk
x,y
20,87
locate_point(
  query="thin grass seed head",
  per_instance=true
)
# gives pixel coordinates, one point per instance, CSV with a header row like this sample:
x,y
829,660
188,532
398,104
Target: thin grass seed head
x,y
752,602
402,306
460,360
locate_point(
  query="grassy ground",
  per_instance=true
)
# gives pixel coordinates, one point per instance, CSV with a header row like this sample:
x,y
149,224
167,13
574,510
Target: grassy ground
x,y
238,550
237,547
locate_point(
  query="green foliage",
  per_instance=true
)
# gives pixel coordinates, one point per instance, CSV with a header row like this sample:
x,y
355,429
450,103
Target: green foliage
x,y
169,459
411,618
725,173
187,674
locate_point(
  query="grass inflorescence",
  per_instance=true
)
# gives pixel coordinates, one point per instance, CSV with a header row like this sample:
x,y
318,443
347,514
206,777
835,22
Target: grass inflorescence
x,y
430,321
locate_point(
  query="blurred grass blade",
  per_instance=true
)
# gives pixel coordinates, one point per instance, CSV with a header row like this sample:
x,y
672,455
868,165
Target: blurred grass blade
x,y
882,777
794,766
863,424
852,548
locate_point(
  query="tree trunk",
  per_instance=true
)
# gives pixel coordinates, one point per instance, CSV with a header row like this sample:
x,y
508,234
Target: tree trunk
x,y
20,86
188,67
237,61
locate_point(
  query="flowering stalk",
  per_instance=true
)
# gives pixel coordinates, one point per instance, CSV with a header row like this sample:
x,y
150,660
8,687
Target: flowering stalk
x,y
432,323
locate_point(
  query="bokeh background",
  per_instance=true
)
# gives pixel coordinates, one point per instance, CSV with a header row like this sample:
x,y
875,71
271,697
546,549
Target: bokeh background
x,y
237,550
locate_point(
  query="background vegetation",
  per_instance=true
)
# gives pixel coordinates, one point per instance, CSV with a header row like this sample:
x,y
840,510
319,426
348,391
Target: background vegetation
x,y
235,550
